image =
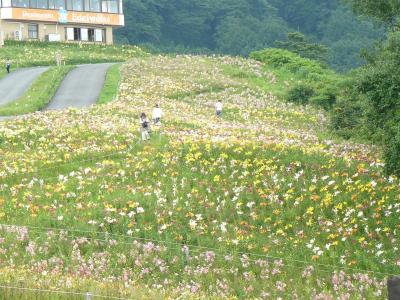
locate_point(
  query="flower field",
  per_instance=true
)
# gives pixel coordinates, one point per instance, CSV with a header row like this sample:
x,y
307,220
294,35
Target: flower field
x,y
260,204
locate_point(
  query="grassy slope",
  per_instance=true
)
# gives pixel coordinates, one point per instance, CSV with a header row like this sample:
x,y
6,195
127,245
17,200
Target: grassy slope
x,y
110,88
27,54
39,94
310,213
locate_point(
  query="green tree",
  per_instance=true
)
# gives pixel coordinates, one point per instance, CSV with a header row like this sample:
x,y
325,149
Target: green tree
x,y
386,10
142,22
298,43
346,44
241,26
379,82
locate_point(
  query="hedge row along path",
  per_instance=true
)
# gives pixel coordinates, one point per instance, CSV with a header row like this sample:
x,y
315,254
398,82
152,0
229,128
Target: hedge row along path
x,y
15,84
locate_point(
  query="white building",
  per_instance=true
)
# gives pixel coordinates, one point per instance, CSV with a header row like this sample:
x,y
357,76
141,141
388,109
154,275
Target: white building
x,y
60,20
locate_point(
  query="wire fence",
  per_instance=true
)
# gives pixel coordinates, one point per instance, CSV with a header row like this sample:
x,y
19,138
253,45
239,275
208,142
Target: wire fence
x,y
87,295
219,252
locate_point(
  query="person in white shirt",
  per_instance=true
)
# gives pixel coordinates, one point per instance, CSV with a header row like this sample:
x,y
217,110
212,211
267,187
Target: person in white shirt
x,y
218,108
157,114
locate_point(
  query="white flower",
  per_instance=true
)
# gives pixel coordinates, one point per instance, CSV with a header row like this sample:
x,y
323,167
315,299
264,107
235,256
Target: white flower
x,y
140,210
60,218
250,204
223,227
192,224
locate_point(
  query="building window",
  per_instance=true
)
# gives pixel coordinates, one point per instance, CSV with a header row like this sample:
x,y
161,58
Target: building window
x,y
77,5
39,4
20,3
33,31
106,6
91,35
100,35
110,6
77,34
94,6
85,34
42,4
59,4
33,4
69,34
56,4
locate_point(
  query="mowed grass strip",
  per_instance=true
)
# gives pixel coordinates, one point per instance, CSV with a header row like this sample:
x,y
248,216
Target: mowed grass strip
x,y
39,94
110,89
33,54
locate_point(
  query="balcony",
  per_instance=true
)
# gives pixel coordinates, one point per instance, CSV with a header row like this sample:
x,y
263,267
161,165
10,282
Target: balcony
x,y
96,6
95,12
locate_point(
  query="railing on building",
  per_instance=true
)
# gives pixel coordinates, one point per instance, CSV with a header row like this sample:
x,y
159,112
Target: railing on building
x,y
100,6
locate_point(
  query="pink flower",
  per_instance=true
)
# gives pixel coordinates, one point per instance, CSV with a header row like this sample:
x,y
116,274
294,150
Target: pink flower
x,y
280,286
30,248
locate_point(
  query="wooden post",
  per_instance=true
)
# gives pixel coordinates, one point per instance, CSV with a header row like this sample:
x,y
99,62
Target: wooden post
x,y
393,285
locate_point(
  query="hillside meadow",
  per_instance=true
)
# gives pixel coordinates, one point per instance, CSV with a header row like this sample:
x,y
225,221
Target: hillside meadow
x,y
32,54
263,203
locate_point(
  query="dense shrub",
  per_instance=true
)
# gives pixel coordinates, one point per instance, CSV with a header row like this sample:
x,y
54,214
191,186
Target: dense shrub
x,y
324,101
318,83
300,94
392,151
326,98
280,58
347,118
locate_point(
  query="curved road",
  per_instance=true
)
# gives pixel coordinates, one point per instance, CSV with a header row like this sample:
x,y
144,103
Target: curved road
x,y
81,87
15,84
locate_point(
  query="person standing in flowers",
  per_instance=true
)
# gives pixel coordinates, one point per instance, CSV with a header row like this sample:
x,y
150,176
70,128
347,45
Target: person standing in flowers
x,y
8,65
157,114
144,127
218,108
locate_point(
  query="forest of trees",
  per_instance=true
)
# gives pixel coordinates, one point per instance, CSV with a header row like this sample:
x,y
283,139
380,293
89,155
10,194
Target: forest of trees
x,y
239,27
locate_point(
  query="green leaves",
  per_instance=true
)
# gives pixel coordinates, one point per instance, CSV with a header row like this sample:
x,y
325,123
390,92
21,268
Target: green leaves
x,y
385,10
298,43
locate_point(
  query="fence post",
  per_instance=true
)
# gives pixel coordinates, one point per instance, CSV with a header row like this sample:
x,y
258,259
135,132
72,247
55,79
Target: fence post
x,y
393,285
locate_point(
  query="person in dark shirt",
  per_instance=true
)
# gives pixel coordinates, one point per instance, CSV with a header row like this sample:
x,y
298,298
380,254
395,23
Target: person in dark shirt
x,y
8,65
144,127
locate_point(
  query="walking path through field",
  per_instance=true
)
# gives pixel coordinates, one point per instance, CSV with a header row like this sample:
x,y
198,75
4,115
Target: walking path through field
x,y
81,87
15,84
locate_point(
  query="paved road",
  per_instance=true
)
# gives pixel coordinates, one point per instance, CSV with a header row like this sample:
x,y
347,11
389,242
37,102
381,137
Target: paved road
x,y
15,84
81,87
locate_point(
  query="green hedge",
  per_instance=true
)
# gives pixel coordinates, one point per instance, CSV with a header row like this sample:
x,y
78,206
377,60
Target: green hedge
x,y
280,58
